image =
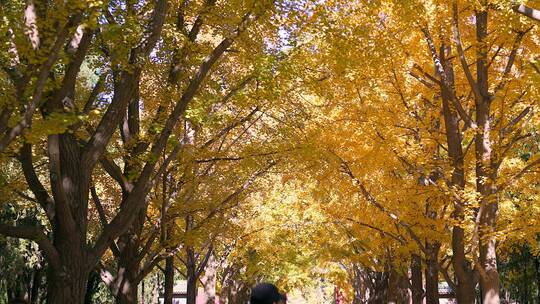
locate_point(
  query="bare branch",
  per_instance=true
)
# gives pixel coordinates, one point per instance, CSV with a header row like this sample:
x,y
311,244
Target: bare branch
x,y
510,126
511,59
527,11
445,81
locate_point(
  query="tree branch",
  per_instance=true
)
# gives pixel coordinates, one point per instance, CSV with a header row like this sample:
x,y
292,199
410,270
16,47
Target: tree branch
x,y
527,11
35,234
462,58
40,83
33,182
142,186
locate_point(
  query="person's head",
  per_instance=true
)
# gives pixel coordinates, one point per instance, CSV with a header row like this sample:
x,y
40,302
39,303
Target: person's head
x,y
265,293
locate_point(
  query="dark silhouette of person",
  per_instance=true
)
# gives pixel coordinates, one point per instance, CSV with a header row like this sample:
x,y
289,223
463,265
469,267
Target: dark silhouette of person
x,y
266,293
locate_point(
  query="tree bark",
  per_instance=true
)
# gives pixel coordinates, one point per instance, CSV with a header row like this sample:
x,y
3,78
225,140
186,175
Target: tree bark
x,y
129,264
432,273
356,281
67,287
537,276
209,280
462,267
486,171
36,285
169,280
416,279
379,292
191,272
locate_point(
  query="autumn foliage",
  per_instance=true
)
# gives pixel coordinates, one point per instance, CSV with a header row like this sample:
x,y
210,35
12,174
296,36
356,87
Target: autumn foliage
x,y
372,150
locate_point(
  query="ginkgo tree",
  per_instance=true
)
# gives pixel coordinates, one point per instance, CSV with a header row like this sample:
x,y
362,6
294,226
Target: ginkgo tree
x,y
76,127
352,140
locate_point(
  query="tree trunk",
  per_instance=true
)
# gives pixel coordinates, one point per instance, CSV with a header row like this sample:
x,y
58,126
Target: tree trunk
x,y
356,281
465,287
129,246
432,273
378,293
537,268
209,280
397,288
36,285
462,267
191,272
169,280
128,271
68,287
416,279
486,171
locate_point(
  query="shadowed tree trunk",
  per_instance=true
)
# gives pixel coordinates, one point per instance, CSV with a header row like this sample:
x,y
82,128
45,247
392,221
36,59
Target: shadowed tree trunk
x,y
191,272
169,280
537,276
432,273
451,111
72,160
36,285
416,279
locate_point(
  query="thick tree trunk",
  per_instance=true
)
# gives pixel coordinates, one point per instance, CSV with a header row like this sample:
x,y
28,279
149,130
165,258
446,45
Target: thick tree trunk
x,y
128,271
68,287
416,279
486,171
432,273
379,290
169,280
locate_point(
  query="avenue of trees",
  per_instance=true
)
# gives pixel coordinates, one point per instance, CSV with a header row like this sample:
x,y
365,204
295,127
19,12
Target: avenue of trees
x,y
379,147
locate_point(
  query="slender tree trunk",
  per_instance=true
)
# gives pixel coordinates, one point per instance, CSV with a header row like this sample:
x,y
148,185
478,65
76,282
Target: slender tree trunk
x,y
537,268
432,273
462,267
129,268
465,287
416,279
36,284
169,280
486,171
209,280
191,273
357,284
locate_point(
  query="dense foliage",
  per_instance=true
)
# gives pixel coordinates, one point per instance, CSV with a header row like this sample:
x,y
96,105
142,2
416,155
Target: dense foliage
x,y
364,151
